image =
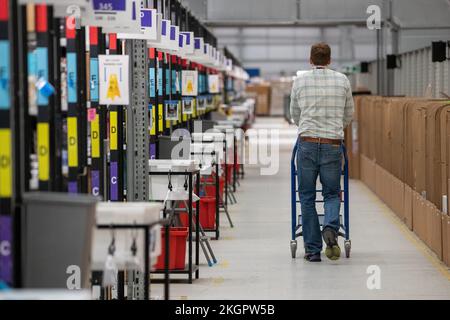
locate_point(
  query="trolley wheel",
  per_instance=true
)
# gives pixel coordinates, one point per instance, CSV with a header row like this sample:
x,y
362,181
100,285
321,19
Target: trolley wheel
x,y
293,248
347,246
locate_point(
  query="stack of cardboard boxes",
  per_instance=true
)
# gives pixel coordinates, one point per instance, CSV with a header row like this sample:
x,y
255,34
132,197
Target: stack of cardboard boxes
x,y
400,148
261,92
279,89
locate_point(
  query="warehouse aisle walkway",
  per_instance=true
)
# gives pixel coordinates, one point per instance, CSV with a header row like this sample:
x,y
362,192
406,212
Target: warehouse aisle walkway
x,y
255,261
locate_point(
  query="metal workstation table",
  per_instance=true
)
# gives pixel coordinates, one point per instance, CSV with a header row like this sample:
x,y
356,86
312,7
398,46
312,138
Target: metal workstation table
x,y
165,169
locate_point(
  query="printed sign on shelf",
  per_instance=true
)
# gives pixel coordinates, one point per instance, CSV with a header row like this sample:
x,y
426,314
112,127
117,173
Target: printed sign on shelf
x,y
158,26
149,27
201,103
188,42
165,34
188,105
114,15
114,81
213,83
174,38
172,110
189,83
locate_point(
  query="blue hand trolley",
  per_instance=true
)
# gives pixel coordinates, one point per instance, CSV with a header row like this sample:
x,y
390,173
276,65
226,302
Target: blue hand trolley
x,y
296,220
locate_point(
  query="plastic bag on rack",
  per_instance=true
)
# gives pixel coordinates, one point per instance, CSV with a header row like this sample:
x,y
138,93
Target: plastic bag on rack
x,y
135,274
110,270
155,244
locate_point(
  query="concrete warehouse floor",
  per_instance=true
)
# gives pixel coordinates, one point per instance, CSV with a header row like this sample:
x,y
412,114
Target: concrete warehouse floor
x,y
255,260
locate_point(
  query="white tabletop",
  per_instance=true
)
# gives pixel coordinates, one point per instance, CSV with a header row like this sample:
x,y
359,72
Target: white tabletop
x,y
174,165
128,212
45,294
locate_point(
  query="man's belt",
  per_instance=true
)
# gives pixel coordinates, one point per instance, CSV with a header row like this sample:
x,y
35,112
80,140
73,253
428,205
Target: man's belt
x,y
336,142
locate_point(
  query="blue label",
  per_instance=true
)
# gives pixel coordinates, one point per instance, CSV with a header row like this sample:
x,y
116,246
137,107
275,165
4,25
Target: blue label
x,y
160,81
146,18
174,82
93,85
200,82
109,5
180,40
172,33
42,72
197,43
168,86
188,37
152,82
164,28
72,77
4,75
133,13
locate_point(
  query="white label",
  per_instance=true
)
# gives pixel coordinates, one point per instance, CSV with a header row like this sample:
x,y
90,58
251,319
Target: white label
x,y
114,15
113,80
149,27
189,83
214,83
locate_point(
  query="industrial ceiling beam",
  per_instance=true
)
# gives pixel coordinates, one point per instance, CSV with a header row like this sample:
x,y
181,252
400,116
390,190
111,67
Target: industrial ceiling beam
x,y
281,24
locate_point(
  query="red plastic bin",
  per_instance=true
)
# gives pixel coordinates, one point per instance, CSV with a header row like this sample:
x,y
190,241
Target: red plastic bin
x,y
207,213
177,255
230,168
210,189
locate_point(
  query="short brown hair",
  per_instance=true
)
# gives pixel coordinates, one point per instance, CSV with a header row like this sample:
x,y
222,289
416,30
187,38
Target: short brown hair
x,y
320,54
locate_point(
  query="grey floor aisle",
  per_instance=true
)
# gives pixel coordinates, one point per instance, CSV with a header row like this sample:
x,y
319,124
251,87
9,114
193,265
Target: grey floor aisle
x,y
255,262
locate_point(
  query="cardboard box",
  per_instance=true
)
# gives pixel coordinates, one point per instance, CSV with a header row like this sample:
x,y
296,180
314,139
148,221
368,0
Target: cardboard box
x,y
398,197
368,172
408,206
419,216
435,237
279,89
262,91
445,219
436,152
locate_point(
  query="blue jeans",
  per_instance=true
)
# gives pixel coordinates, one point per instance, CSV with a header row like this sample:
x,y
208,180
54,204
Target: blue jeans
x,y
324,160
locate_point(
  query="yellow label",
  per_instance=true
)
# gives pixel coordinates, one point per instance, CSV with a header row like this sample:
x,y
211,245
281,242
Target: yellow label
x,y
113,130
72,141
43,145
185,117
95,137
153,120
160,117
194,108
5,164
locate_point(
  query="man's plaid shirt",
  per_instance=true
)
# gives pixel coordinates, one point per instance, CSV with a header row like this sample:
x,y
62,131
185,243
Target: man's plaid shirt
x,y
321,103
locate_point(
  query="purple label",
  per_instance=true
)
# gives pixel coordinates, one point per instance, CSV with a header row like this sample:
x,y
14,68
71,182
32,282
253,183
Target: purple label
x,y
72,187
197,43
95,181
188,37
133,14
114,187
6,266
172,32
152,151
180,41
164,28
146,18
110,5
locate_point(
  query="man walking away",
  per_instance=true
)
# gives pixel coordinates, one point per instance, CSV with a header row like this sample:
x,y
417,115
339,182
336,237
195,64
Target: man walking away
x,y
321,106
